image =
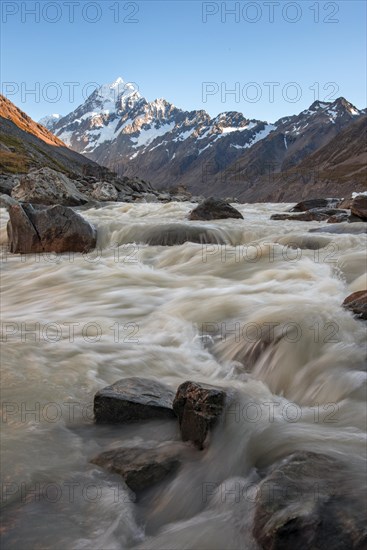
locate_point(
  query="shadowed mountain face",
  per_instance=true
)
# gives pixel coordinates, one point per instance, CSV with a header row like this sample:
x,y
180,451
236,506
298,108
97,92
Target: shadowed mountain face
x,y
222,156
25,144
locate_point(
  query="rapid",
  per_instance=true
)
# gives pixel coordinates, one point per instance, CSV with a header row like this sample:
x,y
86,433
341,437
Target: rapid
x,y
253,306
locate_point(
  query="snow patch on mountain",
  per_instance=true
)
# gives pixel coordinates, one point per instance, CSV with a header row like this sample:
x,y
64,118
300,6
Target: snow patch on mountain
x,y
146,136
49,121
261,135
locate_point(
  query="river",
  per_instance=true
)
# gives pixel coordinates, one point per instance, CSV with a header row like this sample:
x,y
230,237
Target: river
x,y
260,315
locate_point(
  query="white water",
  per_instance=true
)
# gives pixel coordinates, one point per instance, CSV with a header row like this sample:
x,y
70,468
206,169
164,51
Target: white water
x,y
189,312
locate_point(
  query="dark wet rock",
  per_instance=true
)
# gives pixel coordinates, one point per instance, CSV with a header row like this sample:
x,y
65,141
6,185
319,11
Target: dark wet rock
x,y
358,207
214,209
316,214
305,502
339,218
7,183
176,234
46,186
6,201
341,228
310,204
142,467
357,303
133,399
198,407
48,229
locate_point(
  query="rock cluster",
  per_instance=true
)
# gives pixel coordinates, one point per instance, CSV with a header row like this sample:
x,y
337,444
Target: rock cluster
x,y
330,210
197,406
49,187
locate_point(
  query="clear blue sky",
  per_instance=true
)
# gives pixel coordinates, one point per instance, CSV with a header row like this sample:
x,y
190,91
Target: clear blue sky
x,y
176,46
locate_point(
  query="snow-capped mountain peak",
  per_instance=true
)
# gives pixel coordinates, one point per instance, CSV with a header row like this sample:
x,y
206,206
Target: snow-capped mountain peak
x,y
113,96
49,121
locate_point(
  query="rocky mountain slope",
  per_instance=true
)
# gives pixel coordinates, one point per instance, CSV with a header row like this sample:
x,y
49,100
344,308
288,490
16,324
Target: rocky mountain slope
x,y
26,144
228,155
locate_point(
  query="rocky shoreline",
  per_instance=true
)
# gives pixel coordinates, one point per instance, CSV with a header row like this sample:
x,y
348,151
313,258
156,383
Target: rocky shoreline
x,y
96,186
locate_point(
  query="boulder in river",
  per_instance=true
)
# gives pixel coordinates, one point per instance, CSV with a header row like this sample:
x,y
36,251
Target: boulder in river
x,y
214,209
357,303
198,407
48,229
142,467
46,186
133,399
305,502
358,207
310,204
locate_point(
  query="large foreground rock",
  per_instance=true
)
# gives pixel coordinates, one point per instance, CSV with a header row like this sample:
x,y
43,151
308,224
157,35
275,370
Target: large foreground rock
x,y
46,186
198,407
55,229
214,209
133,399
142,467
357,303
305,502
310,204
358,207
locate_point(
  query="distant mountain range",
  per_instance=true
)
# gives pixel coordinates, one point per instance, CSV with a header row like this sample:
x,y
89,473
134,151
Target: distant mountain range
x,y
320,152
229,155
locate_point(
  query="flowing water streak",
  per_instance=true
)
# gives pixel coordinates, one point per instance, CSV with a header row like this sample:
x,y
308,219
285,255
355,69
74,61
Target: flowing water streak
x,y
252,305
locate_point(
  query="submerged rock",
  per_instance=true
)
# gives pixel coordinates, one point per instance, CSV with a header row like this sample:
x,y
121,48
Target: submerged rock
x,y
310,204
357,303
46,186
315,214
142,467
133,399
214,209
352,228
175,234
198,407
54,229
304,502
